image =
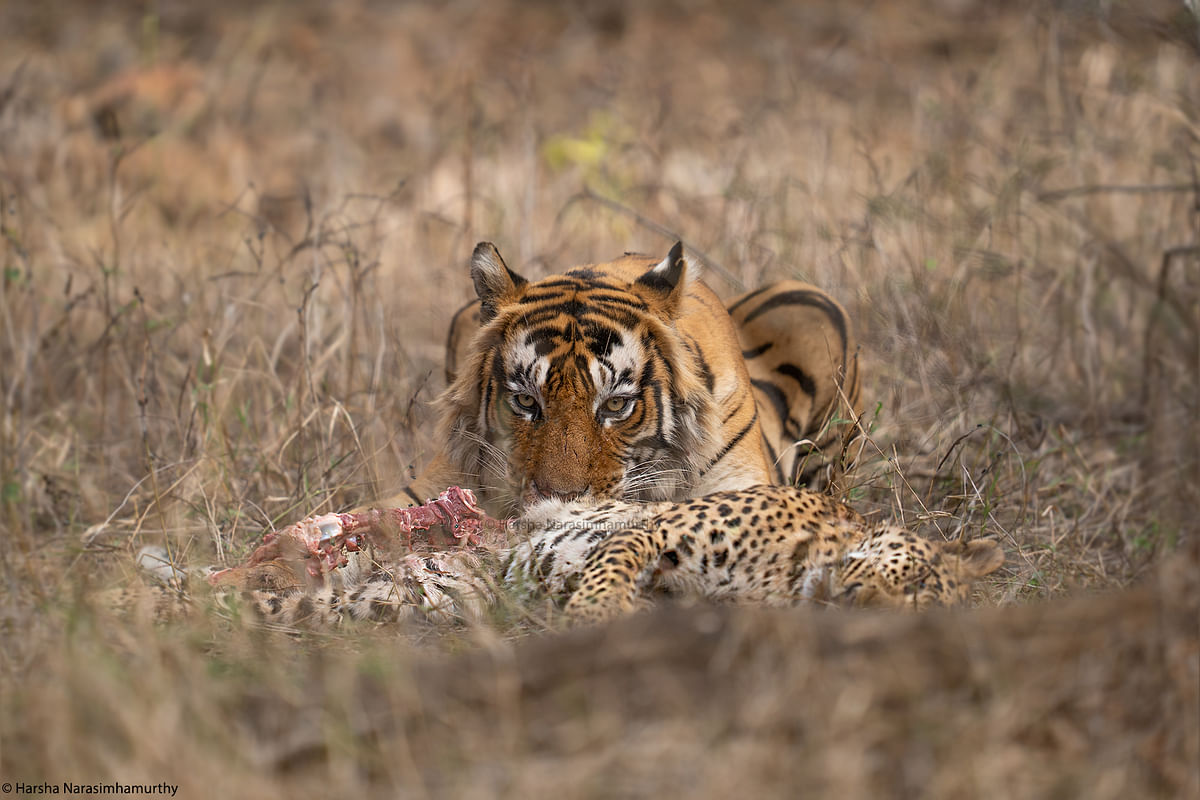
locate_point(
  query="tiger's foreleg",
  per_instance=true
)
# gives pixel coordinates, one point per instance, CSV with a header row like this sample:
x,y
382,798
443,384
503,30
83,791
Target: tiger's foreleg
x,y
437,475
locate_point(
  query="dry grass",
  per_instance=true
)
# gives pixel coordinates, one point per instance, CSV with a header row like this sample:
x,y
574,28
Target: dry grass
x,y
231,243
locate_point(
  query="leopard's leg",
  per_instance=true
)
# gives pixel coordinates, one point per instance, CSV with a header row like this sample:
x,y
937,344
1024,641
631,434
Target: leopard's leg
x,y
616,573
562,535
447,587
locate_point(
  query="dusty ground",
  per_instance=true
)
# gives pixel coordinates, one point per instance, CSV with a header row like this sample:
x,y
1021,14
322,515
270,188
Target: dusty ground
x,y
231,243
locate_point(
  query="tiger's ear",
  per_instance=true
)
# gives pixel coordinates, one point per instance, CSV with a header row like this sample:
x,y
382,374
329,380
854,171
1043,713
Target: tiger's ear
x,y
494,282
667,279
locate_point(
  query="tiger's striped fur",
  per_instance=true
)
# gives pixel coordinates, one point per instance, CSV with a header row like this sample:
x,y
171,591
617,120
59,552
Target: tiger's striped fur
x,y
629,380
803,364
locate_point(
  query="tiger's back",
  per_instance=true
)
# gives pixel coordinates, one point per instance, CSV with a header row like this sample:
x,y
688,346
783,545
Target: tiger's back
x,y
802,358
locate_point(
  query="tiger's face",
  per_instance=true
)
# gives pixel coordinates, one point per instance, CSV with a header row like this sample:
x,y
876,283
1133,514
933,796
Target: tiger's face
x,y
579,385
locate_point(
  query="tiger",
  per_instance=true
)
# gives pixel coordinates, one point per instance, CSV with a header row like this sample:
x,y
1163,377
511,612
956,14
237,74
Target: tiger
x,y
630,380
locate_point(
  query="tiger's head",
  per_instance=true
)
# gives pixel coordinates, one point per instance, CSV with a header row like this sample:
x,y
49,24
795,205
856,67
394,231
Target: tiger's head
x,y
579,385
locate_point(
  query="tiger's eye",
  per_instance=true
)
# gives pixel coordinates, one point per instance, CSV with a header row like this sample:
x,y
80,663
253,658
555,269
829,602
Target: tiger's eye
x,y
615,405
526,402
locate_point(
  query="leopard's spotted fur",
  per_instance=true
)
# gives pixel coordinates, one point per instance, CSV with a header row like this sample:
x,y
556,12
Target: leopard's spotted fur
x,y
776,545
766,545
